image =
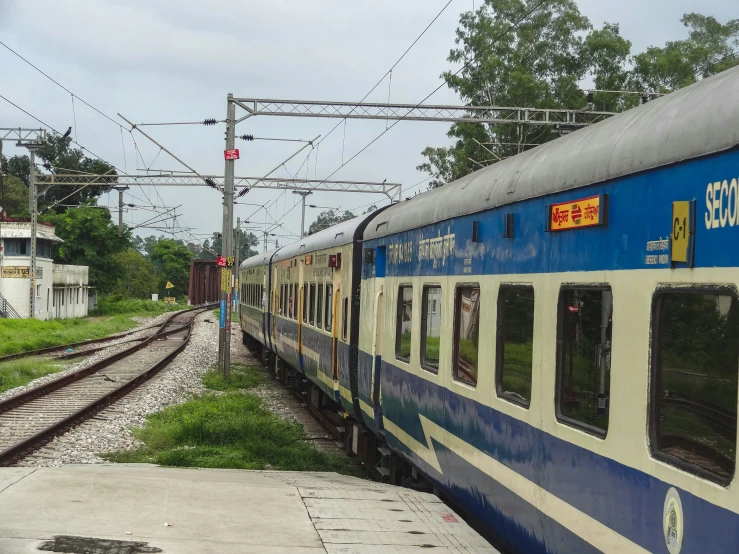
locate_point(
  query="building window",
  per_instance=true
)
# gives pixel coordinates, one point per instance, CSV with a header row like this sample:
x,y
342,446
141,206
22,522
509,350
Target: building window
x,y
312,304
319,306
38,291
404,323
515,338
305,302
695,365
329,307
584,327
430,328
345,319
466,333
16,247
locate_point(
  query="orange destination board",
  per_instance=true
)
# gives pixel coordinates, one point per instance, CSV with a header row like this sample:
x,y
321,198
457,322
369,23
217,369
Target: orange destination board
x,y
586,212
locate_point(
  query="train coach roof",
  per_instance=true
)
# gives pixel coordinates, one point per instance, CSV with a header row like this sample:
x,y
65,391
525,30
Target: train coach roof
x,y
698,120
258,260
337,235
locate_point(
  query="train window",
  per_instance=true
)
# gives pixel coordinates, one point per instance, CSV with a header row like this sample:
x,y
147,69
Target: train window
x,y
262,297
404,323
329,306
305,302
466,333
584,327
430,328
695,366
312,304
345,319
319,306
514,340
291,302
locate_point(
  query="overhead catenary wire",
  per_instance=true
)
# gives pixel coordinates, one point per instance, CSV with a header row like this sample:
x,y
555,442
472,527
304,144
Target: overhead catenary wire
x,y
106,116
465,66
488,47
388,72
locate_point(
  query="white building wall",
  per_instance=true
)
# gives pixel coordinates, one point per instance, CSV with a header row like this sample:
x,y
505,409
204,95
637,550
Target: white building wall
x,y
70,295
16,290
61,290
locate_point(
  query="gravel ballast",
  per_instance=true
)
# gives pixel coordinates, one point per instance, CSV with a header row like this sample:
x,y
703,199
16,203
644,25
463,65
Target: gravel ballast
x,y
110,429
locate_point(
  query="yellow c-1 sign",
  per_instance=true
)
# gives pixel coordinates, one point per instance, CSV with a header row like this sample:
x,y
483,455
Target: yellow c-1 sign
x,y
681,230
169,285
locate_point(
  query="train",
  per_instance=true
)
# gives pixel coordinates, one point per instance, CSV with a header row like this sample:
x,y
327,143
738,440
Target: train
x,y
550,343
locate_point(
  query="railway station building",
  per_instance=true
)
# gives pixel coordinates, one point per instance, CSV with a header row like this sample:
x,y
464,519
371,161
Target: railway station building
x,y
62,291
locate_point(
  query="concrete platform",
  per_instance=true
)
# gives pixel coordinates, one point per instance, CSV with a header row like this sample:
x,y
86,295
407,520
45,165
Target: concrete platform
x,y
220,512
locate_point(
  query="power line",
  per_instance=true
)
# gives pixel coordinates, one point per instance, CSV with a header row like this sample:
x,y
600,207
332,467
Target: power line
x,y
75,117
60,85
388,72
488,47
465,66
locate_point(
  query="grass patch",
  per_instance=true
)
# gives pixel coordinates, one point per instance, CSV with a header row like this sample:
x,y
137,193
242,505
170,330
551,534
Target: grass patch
x,y
242,377
22,335
17,373
231,430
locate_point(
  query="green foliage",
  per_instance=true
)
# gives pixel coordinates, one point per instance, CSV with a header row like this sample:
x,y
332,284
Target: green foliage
x,y
709,49
114,304
15,197
138,277
541,63
22,335
58,156
242,377
18,166
230,430
327,219
172,260
17,373
91,239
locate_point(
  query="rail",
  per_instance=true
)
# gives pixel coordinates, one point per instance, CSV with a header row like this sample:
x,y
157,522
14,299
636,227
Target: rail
x,y
34,440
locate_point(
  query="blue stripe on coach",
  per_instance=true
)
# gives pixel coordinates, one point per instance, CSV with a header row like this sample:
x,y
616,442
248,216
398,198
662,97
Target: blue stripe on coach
x,y
627,500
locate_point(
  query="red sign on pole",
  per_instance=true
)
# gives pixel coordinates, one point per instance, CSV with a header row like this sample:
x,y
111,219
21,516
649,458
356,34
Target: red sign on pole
x,y
231,154
221,261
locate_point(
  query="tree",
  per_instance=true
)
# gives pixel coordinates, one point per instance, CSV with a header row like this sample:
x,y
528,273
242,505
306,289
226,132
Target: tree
x,y
14,199
146,245
138,277
541,63
709,49
248,245
172,260
90,238
20,166
537,62
59,157
327,219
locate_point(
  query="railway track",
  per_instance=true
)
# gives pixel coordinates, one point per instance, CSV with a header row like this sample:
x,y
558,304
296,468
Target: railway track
x,y
63,347
30,419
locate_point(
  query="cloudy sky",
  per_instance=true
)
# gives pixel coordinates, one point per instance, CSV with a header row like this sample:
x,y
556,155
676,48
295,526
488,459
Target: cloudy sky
x,y
176,60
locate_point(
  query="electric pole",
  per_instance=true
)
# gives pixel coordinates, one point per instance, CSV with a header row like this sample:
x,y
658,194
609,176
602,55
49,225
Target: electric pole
x,y
224,350
237,262
302,193
33,197
120,209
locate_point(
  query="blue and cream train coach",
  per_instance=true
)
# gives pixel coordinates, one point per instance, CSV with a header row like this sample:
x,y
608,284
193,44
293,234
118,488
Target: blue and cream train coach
x,y
553,341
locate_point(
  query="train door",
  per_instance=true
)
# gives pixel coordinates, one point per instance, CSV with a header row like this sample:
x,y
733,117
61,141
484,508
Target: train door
x,y
377,329
301,307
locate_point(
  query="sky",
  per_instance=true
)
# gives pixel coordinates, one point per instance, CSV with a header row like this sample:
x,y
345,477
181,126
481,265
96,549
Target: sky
x,y
176,60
